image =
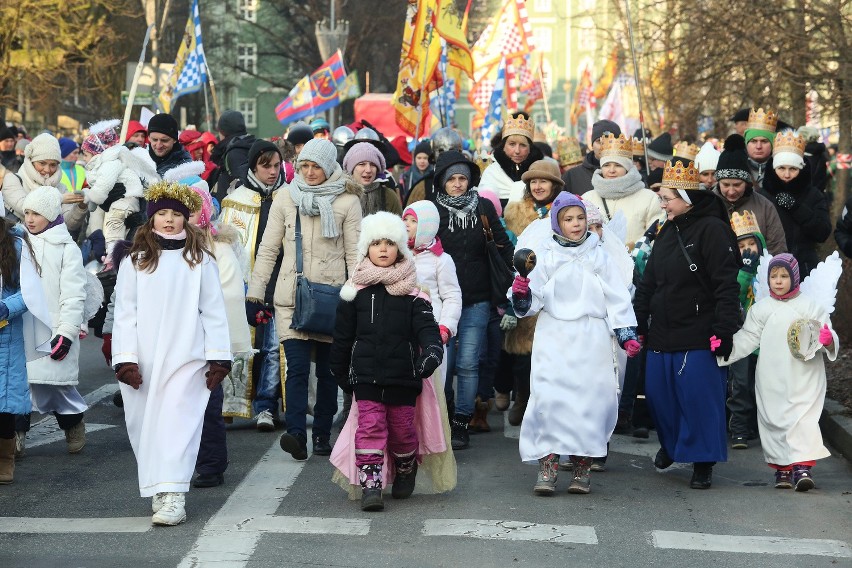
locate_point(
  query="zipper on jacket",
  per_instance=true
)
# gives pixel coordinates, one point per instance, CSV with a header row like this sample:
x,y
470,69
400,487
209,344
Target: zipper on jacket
x,y
372,306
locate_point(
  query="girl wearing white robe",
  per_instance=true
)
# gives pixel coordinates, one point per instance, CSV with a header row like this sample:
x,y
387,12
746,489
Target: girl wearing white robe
x,y
170,324
584,314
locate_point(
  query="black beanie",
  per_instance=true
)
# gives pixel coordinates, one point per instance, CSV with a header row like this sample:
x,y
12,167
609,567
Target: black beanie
x,y
260,147
6,133
601,127
232,123
733,161
423,147
300,134
164,124
661,147
741,115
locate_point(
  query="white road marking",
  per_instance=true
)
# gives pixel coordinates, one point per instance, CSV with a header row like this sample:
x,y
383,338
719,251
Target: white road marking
x,y
44,432
510,530
79,525
513,432
101,393
307,525
750,544
222,542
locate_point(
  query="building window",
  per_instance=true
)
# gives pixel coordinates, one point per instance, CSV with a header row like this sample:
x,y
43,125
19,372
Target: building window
x,y
587,36
247,57
248,108
543,39
542,6
248,10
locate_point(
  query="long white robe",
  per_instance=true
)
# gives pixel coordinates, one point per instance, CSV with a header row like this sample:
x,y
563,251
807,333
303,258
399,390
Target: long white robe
x,y
171,322
790,393
574,383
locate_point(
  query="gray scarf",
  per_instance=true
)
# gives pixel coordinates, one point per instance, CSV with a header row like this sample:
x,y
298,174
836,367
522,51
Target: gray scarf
x,y
616,188
371,200
313,200
462,209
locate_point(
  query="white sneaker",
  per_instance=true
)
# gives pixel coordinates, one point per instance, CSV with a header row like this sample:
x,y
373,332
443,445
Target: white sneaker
x,y
264,421
157,502
172,512
20,444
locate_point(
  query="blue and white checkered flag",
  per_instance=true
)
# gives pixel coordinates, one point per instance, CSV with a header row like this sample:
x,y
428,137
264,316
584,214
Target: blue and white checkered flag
x,y
194,72
495,108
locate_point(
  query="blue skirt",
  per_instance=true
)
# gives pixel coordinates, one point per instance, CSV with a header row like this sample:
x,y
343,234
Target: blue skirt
x,y
686,393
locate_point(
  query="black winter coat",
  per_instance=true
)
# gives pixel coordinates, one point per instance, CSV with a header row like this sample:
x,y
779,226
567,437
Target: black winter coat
x,y
377,340
843,231
807,223
231,155
578,180
678,310
510,168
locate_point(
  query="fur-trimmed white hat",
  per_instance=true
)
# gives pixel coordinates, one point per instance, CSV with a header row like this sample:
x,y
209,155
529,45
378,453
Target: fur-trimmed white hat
x,y
45,201
381,225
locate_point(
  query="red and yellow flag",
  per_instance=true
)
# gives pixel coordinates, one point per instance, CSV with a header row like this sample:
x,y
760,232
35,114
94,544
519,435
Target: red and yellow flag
x,y
607,75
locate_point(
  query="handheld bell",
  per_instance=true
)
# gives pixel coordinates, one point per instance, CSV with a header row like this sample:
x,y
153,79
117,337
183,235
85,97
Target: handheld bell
x,y
524,261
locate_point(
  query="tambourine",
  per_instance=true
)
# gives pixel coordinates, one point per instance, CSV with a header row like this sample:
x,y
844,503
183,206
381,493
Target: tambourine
x,y
803,338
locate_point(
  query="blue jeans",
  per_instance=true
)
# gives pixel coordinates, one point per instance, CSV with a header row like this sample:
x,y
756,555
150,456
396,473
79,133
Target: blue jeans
x,y
269,378
489,356
463,356
298,354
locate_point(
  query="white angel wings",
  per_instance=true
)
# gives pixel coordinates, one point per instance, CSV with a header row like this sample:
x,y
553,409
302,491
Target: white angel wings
x,y
820,285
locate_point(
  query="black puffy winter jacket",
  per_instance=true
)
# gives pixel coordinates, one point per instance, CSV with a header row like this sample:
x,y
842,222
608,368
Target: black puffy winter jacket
x,y
378,339
679,309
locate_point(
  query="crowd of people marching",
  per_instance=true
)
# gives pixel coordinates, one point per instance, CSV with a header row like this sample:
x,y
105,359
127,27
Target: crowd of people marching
x,y
431,285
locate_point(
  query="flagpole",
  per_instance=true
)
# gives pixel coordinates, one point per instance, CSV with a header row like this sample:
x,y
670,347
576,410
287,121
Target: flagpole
x,y
212,88
136,75
207,109
420,107
638,86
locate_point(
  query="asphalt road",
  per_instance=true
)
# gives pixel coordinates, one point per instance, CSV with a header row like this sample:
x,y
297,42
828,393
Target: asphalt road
x,y
84,510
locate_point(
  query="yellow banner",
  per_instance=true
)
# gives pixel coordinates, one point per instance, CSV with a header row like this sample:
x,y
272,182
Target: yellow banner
x,y
419,58
187,46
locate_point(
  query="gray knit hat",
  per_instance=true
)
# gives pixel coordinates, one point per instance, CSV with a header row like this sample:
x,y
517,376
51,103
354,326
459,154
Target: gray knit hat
x,y
458,168
321,152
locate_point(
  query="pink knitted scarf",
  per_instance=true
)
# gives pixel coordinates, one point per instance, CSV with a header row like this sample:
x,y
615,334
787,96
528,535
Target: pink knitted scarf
x,y
399,279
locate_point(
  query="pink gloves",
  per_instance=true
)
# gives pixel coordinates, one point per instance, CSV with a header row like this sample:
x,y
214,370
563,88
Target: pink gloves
x,y
521,286
825,336
715,343
632,347
445,334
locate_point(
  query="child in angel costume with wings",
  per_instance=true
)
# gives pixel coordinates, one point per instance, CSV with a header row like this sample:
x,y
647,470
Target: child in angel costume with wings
x,y
790,324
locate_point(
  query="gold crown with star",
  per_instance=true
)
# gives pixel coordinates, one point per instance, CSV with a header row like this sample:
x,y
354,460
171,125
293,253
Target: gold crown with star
x,y
744,224
620,146
686,150
762,120
789,141
568,150
638,146
518,125
678,175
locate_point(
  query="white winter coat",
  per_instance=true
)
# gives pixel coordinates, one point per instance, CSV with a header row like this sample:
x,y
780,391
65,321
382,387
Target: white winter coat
x,y
64,280
438,274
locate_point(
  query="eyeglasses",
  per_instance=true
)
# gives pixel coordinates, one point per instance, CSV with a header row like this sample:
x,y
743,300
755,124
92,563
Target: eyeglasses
x,y
667,200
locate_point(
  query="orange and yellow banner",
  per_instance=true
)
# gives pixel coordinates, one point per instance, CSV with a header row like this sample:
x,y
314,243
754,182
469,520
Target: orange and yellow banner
x,y
419,58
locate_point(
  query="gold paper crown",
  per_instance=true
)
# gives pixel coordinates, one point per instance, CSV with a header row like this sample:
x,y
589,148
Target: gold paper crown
x,y
612,146
762,120
744,225
638,146
568,150
789,141
686,150
519,125
679,176
176,191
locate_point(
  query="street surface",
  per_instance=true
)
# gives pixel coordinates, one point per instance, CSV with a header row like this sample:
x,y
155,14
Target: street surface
x,y
84,510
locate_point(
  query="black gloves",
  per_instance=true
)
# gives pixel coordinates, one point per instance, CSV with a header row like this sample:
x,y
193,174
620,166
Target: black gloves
x,y
257,313
750,260
128,373
59,347
785,200
428,361
725,348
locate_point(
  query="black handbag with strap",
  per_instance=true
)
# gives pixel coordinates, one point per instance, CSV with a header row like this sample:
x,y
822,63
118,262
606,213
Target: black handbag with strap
x,y
500,275
316,304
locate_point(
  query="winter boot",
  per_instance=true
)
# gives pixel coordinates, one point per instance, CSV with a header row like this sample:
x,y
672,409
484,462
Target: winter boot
x,y
662,459
75,437
802,479
702,475
370,476
548,468
460,438
623,426
581,484
783,479
501,401
172,512
516,413
479,422
406,472
7,460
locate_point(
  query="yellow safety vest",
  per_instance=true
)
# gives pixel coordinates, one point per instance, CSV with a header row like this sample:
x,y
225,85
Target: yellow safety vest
x,y
80,179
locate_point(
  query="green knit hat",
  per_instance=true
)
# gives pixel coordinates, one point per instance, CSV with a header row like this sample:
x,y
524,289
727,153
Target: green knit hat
x,y
757,133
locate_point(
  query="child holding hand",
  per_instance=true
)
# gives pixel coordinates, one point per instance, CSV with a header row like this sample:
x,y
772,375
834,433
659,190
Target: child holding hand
x,y
385,343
